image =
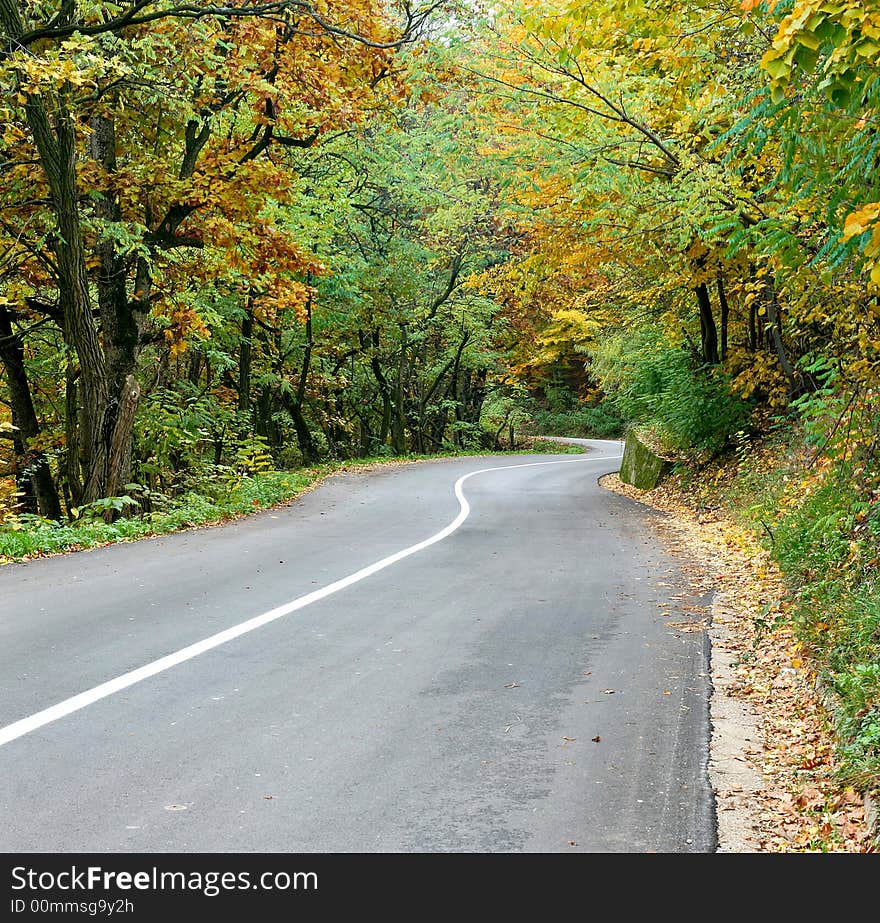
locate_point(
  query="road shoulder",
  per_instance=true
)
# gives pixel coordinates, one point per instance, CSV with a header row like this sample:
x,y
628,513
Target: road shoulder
x,y
772,762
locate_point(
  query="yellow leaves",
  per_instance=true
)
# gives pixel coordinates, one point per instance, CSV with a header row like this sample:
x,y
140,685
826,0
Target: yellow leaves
x,y
183,322
757,373
861,220
866,218
644,44
841,38
569,327
75,64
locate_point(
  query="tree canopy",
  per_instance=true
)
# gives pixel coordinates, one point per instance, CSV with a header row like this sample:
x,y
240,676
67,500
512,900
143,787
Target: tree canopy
x,y
290,231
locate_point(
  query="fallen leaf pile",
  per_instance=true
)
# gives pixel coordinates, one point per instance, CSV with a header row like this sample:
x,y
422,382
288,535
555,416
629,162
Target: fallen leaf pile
x,y
801,805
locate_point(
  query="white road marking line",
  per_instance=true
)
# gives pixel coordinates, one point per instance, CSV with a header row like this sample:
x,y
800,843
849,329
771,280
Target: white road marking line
x,y
75,703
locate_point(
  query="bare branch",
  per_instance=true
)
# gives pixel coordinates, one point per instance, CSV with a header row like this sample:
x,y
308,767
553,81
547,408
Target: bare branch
x,y
141,12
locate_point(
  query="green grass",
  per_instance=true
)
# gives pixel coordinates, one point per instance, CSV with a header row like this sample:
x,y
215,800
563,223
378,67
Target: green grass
x,y
216,501
827,559
30,536
538,446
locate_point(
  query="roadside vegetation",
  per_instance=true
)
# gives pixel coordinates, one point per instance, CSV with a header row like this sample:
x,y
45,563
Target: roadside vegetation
x,y
230,495
825,536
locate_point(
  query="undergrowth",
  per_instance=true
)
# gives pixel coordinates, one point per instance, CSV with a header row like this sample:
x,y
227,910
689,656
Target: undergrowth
x,y
822,527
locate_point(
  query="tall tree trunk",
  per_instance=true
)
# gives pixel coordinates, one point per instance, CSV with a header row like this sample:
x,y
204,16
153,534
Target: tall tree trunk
x,y
245,352
57,156
381,381
56,144
41,492
708,330
122,319
72,479
119,450
294,405
398,426
725,314
774,326
753,326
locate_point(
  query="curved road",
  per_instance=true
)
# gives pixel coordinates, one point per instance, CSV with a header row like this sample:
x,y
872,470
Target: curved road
x,y
511,685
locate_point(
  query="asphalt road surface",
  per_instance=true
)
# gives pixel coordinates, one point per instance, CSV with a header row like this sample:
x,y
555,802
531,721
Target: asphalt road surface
x,y
510,685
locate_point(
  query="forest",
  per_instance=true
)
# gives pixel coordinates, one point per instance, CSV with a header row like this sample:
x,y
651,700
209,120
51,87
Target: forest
x,y
240,241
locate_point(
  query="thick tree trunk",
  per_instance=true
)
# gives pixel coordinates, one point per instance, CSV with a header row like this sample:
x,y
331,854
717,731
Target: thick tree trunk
x,y
42,493
55,140
80,332
119,454
121,322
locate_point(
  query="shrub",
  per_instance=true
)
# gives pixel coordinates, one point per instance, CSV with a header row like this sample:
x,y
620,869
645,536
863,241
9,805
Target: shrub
x,y
658,385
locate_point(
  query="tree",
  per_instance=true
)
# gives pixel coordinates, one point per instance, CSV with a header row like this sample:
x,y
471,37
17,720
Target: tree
x,y
143,154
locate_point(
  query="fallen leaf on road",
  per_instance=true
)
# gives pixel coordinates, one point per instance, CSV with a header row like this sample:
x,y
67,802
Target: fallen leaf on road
x,y
596,739
688,626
